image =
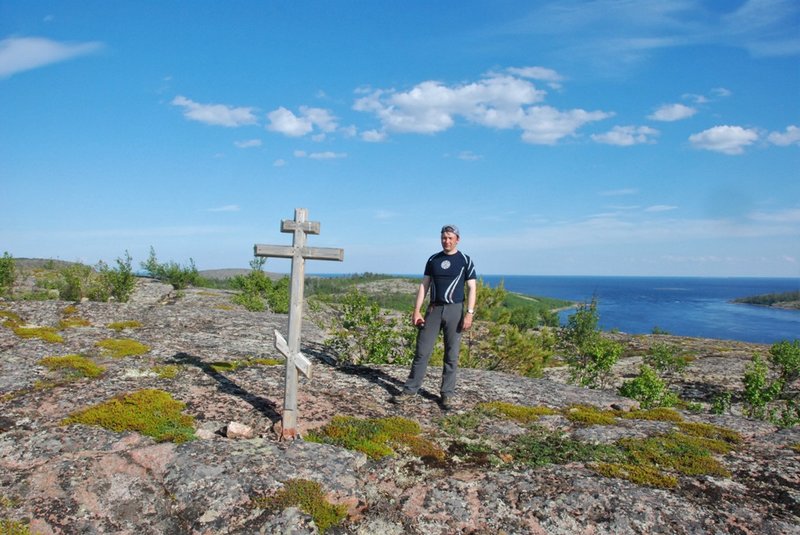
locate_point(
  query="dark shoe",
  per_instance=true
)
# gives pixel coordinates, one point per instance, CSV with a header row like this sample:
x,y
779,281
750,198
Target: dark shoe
x,y
447,403
402,398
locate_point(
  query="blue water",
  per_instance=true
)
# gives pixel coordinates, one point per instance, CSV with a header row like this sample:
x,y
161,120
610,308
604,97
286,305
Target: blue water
x,y
683,306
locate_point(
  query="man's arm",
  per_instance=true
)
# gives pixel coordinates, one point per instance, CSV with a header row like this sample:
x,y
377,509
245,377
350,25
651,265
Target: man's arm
x,y
472,296
422,291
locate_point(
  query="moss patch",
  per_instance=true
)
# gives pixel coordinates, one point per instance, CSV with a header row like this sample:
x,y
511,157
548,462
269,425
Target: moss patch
x,y
120,326
233,365
73,321
376,438
540,447
73,366
307,496
588,415
660,414
150,412
13,527
122,347
167,371
48,334
10,319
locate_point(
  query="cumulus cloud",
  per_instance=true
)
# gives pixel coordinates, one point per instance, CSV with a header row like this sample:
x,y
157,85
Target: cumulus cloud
x,y
287,123
18,54
248,143
672,112
790,137
725,139
497,101
468,155
624,136
544,74
373,136
215,114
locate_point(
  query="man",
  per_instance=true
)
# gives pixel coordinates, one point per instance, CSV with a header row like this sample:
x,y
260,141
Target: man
x,y
446,275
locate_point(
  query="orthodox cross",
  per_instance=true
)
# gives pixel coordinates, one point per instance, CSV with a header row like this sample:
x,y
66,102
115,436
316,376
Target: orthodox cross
x,y
298,252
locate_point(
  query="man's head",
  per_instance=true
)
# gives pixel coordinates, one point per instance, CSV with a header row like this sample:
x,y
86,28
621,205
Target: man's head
x,y
450,237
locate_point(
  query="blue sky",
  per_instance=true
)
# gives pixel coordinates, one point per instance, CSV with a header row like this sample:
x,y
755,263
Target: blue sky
x,y
607,137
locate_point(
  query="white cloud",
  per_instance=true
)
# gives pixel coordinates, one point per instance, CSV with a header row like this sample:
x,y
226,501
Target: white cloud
x,y
18,54
469,156
373,136
672,112
619,192
327,155
544,74
226,208
280,162
215,114
496,101
660,208
248,143
287,123
783,139
791,215
721,92
624,136
725,139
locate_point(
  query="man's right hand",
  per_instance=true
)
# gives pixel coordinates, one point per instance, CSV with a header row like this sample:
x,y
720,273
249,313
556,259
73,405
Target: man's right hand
x,y
417,320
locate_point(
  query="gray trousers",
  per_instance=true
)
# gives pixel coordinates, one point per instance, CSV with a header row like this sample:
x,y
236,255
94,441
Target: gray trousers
x,y
447,319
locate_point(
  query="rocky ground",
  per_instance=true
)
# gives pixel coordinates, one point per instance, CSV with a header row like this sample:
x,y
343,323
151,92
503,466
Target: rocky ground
x,y
57,478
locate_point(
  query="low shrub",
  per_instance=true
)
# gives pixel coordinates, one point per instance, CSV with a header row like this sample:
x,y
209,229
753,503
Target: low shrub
x,y
8,274
180,277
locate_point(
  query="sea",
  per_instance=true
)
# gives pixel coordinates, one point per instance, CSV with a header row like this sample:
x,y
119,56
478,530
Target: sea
x,y
682,306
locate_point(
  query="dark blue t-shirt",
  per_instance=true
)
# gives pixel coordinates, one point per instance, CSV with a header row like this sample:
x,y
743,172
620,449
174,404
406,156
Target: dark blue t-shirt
x,y
448,274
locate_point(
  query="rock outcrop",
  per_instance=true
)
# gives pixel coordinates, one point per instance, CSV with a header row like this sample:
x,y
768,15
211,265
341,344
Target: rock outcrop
x,y
212,356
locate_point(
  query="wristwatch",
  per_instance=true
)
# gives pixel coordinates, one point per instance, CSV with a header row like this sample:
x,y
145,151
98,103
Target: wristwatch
x,y
470,311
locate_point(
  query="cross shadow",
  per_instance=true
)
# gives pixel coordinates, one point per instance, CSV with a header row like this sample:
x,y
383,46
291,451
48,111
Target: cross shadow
x,y
375,376
263,405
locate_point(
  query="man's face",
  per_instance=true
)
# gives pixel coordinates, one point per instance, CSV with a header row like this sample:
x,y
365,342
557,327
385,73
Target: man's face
x,y
449,242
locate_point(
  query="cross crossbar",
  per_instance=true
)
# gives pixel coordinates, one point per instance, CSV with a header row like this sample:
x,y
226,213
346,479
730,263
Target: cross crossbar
x,y
309,253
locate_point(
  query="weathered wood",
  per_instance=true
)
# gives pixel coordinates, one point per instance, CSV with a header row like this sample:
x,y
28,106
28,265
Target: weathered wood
x,y
298,252
301,362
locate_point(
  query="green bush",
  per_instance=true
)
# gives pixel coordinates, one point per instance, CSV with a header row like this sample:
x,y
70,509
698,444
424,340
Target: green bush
x,y
76,282
118,282
178,276
363,334
7,274
648,389
590,357
666,360
508,348
257,291
770,399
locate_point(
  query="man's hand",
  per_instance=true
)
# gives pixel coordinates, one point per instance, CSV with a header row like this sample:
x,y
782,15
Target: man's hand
x,y
467,322
417,320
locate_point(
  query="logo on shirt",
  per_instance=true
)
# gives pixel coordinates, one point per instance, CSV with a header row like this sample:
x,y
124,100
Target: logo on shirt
x,y
446,264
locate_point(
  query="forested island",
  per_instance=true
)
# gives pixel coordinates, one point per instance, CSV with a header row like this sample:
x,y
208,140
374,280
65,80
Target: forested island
x,y
787,300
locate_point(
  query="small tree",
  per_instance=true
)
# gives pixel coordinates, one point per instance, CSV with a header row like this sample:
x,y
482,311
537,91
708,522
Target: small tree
x,y
7,274
771,399
666,360
118,282
590,357
179,276
648,389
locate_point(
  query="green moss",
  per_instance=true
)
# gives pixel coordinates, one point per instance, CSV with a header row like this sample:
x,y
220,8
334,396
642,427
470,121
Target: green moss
x,y
150,412
69,310
376,438
307,496
661,414
10,319
122,347
641,475
712,432
676,451
73,365
795,447
588,415
457,424
48,334
225,307
13,527
120,326
74,321
167,371
265,362
520,413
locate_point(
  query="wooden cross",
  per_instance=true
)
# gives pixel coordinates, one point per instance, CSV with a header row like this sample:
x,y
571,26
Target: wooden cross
x,y
298,252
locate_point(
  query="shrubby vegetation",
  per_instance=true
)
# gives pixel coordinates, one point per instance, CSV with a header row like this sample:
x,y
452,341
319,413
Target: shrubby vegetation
x,y
180,277
771,398
770,299
257,290
590,356
7,274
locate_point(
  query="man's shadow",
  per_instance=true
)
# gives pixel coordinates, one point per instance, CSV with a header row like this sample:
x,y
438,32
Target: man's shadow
x,y
375,376
262,405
